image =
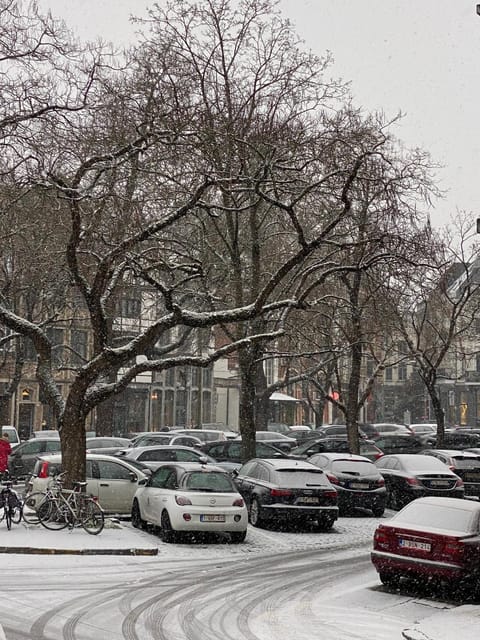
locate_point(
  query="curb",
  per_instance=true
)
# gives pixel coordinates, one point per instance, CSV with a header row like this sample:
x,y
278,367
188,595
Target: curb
x,y
80,552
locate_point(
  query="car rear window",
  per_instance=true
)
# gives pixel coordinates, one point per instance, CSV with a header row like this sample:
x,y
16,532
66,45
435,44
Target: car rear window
x,y
437,516
208,481
292,478
466,463
354,467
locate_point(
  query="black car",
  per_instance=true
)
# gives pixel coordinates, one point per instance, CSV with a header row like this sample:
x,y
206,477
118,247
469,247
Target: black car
x,y
464,464
358,481
228,454
284,489
394,443
328,430
410,476
338,444
454,440
23,458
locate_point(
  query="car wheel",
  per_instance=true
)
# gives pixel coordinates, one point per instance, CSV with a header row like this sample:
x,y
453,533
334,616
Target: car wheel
x,y
378,510
137,521
254,513
238,536
325,523
389,579
168,534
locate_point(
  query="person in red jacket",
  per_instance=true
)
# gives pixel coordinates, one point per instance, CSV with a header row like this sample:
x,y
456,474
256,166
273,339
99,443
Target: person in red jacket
x,y
5,450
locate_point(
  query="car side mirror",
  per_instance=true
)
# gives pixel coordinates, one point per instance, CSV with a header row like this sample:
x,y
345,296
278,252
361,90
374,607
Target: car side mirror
x,y
133,476
234,473
143,482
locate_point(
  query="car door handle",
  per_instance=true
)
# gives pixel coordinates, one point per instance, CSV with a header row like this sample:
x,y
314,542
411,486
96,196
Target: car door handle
x,y
104,484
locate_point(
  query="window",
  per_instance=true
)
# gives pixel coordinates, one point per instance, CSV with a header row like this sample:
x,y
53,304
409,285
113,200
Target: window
x,y
160,477
402,372
157,455
113,471
388,374
55,336
129,307
78,354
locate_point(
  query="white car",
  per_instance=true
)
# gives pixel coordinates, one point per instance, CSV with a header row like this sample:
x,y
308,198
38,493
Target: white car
x,y
113,481
190,497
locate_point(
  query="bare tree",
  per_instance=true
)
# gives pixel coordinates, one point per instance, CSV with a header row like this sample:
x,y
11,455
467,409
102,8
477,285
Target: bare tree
x,y
436,307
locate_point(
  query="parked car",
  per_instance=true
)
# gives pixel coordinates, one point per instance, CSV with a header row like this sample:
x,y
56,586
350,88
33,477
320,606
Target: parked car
x,y
168,438
106,444
327,430
410,476
424,429
12,434
387,428
204,435
357,480
464,464
338,444
276,490
190,497
229,454
285,443
393,443
23,458
112,480
455,440
46,433
431,539
153,456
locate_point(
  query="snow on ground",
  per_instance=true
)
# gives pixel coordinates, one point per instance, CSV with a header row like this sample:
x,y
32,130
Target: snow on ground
x,y
462,622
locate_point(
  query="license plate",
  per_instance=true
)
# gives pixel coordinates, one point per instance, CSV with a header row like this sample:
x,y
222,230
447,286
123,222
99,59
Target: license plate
x,y
212,517
413,544
358,485
307,500
440,483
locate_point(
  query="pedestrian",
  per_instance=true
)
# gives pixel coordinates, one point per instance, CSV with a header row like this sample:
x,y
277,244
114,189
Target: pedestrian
x,y
5,450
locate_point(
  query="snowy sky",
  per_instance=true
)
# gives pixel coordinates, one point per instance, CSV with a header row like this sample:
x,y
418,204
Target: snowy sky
x,y
418,57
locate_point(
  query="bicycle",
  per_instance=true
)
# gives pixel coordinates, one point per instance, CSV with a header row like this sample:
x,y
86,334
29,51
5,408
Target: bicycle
x,y
12,505
58,508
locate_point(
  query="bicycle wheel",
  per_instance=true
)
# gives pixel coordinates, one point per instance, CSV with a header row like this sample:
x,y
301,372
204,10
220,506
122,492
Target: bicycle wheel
x,y
2,513
53,515
17,514
30,505
8,516
91,517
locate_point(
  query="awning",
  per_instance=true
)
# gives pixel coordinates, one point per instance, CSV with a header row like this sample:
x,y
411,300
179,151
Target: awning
x,y
283,397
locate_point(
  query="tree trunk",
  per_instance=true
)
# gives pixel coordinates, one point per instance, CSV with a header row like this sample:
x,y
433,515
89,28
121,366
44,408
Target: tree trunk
x,y
439,414
247,406
73,440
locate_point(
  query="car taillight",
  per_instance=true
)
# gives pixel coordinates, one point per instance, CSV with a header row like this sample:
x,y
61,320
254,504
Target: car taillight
x,y
381,538
381,482
330,494
238,502
378,455
333,479
453,548
43,473
182,500
280,492
412,481
459,482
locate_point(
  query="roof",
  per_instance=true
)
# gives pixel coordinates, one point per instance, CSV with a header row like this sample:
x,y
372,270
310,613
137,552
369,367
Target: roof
x,y
332,455
284,463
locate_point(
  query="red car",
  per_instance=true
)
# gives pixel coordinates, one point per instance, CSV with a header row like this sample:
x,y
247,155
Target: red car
x,y
433,539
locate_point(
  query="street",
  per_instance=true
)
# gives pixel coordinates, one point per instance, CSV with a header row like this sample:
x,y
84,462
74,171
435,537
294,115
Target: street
x,y
291,585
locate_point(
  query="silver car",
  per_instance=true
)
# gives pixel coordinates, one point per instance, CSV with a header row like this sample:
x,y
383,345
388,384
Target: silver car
x,y
112,480
154,456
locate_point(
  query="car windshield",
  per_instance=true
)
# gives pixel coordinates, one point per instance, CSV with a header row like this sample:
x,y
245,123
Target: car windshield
x,y
292,478
209,481
354,467
436,516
